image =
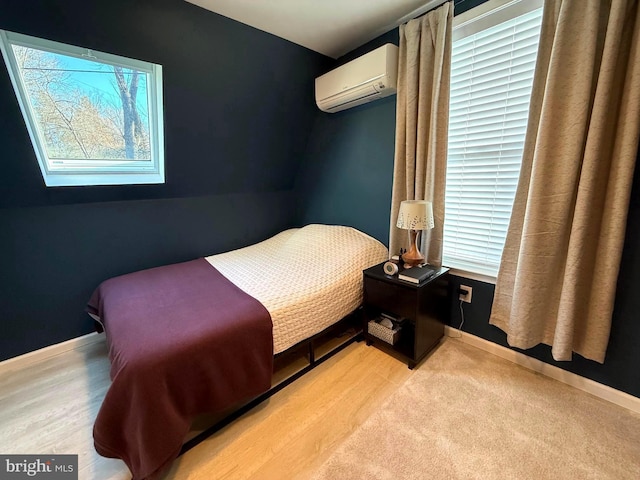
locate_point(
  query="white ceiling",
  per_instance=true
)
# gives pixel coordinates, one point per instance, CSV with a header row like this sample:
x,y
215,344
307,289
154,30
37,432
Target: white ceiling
x,y
330,27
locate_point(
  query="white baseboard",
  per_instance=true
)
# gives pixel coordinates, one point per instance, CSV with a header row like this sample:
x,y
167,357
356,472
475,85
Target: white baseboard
x,y
22,361
581,383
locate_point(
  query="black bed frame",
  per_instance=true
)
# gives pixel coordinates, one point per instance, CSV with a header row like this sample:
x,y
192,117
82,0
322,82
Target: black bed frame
x,y
343,333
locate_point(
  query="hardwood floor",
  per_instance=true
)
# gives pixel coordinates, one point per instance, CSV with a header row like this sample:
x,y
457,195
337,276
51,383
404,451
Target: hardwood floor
x,y
50,407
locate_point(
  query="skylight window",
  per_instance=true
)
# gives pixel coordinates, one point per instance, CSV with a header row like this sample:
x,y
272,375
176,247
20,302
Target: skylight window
x,y
93,118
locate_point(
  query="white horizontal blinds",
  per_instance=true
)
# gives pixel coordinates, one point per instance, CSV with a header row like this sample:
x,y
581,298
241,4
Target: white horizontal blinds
x,y
491,79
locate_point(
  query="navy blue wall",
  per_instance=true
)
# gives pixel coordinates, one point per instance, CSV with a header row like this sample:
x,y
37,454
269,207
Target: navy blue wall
x,y
347,173
347,179
238,107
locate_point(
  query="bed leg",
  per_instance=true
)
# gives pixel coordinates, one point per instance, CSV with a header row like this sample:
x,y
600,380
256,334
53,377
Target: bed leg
x,y
312,356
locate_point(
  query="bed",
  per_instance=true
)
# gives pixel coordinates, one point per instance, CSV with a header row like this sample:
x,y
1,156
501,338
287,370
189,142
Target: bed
x,y
200,336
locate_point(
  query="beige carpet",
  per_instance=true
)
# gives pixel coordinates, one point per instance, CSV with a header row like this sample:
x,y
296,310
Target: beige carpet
x,y
465,414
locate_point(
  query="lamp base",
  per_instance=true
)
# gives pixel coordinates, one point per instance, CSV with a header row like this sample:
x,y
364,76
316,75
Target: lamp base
x,y
413,257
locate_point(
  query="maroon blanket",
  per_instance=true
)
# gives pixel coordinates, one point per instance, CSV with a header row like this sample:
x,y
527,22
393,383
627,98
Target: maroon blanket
x,y
183,340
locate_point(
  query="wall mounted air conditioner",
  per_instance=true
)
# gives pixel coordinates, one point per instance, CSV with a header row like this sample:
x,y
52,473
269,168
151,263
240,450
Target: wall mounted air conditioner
x,y
367,78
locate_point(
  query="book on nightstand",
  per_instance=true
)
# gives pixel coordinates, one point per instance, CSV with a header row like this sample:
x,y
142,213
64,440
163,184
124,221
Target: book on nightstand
x,y
417,274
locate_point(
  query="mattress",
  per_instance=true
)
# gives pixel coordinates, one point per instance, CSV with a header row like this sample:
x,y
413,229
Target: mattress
x,y
307,278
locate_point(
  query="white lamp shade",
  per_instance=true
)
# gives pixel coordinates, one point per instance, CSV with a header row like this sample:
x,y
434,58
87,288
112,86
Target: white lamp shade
x,y
415,215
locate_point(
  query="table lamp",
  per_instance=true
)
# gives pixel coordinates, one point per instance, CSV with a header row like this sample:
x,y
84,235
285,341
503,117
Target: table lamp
x,y
415,216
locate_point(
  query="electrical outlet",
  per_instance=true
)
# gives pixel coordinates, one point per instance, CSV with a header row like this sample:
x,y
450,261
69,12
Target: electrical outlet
x,y
466,297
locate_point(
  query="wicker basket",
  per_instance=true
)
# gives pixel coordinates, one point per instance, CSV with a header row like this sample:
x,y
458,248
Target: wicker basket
x,y
386,334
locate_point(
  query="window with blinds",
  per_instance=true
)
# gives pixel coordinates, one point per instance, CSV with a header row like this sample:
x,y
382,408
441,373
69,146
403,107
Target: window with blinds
x,y
493,60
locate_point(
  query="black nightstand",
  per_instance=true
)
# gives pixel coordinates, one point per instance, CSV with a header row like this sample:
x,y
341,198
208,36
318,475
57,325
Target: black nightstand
x,y
421,310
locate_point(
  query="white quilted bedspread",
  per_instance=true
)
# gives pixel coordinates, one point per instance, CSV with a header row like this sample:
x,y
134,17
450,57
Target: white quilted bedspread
x,y
307,278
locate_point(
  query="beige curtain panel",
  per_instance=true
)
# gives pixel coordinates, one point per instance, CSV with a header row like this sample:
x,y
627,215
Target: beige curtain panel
x,y
557,280
422,117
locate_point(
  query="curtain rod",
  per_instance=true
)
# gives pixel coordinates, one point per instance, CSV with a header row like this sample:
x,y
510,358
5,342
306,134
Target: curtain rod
x,y
430,5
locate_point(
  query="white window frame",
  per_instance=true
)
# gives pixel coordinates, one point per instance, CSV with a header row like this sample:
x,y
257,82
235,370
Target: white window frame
x,y
469,23
74,173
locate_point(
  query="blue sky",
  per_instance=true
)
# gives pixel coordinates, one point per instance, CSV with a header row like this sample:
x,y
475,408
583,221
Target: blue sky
x,y
92,76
